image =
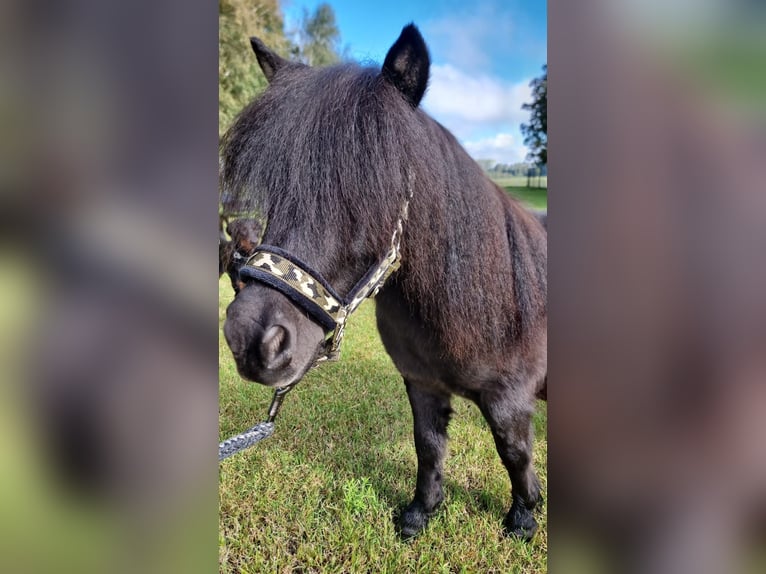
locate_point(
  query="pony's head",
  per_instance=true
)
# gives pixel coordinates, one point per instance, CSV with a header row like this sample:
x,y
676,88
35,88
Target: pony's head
x,y
324,154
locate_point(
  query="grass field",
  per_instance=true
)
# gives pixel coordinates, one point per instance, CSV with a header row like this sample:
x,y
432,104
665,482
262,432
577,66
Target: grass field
x,y
320,495
534,198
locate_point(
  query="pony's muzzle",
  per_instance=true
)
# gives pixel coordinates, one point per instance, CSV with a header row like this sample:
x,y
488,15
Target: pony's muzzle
x,y
272,342
263,353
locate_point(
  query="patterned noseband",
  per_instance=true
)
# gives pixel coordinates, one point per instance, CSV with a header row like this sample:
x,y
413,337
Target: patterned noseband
x,y
308,290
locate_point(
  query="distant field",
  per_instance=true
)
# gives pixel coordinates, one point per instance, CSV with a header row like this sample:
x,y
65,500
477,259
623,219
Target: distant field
x,y
534,198
520,181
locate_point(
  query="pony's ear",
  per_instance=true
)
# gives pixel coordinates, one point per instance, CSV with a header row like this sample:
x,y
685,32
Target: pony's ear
x,y
406,65
269,61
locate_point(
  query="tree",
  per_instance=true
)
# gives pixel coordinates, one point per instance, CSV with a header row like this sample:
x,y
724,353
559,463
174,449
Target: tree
x,y
318,38
239,77
536,131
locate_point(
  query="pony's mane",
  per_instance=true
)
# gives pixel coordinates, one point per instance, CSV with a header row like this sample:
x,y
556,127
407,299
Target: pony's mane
x,y
335,149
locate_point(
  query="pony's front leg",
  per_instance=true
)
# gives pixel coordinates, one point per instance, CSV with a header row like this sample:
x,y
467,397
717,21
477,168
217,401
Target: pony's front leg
x,y
431,412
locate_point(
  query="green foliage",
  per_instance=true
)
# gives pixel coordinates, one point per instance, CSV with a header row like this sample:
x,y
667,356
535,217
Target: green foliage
x,y
318,39
239,77
536,131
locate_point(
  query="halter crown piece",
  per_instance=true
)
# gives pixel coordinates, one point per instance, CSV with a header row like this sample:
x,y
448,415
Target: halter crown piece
x,y
308,290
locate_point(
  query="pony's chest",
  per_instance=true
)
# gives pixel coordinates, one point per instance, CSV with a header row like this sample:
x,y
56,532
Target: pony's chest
x,y
416,353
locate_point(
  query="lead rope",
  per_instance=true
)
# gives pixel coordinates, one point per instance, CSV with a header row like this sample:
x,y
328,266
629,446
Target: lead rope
x,y
387,266
256,433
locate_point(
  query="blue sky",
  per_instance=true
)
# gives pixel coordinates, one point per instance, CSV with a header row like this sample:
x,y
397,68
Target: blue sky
x,y
483,56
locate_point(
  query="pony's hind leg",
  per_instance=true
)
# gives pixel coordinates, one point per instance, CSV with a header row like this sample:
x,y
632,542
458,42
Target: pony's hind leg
x,y
431,412
510,418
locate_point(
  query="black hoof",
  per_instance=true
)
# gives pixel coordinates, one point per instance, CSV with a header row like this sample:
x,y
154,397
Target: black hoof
x,y
520,523
412,520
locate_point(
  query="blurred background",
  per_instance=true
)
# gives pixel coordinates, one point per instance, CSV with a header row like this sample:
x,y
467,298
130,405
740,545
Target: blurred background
x,y
108,178
657,338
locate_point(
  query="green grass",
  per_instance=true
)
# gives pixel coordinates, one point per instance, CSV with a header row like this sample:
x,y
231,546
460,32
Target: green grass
x,y
320,494
534,198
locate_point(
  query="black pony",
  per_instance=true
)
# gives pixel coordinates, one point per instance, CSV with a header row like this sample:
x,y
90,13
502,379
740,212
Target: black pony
x,y
329,156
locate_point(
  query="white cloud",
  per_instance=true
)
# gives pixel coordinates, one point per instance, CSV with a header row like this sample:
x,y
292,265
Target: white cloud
x,y
480,99
465,95
502,148
470,105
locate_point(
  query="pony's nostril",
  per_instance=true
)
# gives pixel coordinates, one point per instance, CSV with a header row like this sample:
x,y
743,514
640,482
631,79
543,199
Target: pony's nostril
x,y
275,347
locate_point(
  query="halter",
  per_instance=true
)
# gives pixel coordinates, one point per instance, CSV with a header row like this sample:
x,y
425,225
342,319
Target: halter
x,y
308,290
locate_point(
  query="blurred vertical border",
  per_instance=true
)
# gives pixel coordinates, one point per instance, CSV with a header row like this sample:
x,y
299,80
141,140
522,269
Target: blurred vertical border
x,y
657,314
108,296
